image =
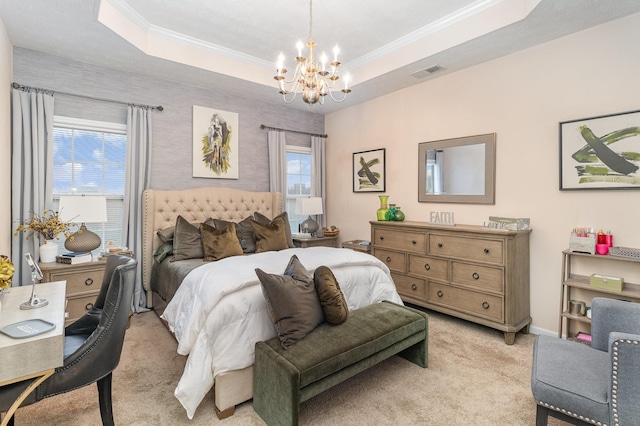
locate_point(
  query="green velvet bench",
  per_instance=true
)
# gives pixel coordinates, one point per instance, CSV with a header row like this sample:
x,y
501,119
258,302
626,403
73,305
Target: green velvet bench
x,y
330,354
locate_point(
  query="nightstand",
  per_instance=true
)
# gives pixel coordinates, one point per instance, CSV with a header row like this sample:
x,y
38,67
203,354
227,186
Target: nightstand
x,y
83,284
316,242
355,245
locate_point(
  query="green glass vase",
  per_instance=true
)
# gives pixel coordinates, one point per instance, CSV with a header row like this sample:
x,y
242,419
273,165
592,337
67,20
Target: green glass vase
x,y
383,210
398,215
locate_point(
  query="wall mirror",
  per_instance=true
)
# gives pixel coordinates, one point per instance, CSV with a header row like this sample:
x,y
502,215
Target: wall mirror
x,y
460,170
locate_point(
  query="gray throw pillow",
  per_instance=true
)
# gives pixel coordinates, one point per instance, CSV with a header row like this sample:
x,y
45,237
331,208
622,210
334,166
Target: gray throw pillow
x,y
187,241
166,234
259,217
293,303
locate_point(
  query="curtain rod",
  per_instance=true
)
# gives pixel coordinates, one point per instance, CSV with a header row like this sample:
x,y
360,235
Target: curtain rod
x,y
27,88
262,126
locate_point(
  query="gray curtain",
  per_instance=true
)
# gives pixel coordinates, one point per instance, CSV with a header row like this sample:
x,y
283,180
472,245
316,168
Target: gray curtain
x,y
137,173
278,163
318,175
31,170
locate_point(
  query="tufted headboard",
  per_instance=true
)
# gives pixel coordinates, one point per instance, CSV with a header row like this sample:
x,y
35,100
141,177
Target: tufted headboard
x,y
161,209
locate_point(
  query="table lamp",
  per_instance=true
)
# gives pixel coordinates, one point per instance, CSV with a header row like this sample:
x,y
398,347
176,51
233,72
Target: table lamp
x,y
83,209
307,207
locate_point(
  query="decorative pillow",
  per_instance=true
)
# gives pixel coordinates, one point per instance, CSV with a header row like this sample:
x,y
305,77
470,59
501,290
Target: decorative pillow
x,y
244,231
163,251
332,299
166,234
187,242
218,244
270,236
293,302
285,216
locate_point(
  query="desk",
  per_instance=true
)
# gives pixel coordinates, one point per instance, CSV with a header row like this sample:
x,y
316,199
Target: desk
x,y
34,357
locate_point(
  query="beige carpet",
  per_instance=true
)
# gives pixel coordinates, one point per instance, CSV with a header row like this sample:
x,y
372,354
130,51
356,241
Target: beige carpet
x,y
473,379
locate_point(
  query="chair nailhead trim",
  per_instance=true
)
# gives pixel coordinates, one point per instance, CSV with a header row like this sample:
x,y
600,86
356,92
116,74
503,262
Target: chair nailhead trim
x,y
569,413
614,378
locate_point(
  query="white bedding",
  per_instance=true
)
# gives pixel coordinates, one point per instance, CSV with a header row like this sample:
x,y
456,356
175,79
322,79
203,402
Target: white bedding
x,y
219,312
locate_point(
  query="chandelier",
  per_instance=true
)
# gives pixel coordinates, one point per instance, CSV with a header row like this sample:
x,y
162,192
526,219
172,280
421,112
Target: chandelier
x,y
315,80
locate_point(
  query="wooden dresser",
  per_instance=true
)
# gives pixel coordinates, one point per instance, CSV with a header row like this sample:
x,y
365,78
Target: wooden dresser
x,y
471,272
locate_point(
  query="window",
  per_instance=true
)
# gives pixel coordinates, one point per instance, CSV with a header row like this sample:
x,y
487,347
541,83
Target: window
x,y
298,181
89,158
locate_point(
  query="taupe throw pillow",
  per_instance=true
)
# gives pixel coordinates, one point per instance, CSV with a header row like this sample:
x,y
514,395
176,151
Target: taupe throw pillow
x,y
218,244
270,236
285,216
293,302
244,232
332,299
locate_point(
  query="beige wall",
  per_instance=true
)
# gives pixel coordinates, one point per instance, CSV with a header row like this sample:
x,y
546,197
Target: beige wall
x,y
6,61
522,98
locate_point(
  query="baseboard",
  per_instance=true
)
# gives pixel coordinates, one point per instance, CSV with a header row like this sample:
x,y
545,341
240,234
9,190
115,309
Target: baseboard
x,y
537,330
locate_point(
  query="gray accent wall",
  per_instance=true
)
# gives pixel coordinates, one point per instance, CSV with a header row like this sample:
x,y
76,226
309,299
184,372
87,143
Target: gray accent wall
x,y
171,166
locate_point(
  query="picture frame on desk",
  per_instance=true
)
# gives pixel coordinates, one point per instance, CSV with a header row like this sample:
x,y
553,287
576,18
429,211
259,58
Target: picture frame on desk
x,y
600,152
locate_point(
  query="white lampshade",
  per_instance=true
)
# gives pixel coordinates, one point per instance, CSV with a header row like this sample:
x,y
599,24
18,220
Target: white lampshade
x,y
83,208
309,206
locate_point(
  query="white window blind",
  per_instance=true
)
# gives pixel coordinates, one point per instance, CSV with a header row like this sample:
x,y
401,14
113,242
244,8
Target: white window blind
x,y
89,158
298,181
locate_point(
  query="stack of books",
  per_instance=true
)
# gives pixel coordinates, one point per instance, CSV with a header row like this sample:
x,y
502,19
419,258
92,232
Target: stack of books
x,y
74,258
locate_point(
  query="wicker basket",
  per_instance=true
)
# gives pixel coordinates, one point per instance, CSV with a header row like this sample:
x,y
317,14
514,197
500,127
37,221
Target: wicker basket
x,y
331,233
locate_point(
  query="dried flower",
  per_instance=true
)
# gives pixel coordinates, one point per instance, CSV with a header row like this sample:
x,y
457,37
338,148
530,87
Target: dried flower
x,y
6,272
48,226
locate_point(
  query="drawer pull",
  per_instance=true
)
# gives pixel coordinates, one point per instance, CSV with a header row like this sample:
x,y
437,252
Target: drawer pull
x,y
381,238
414,242
427,266
88,306
475,276
88,281
388,259
414,287
485,305
439,245
486,251
440,293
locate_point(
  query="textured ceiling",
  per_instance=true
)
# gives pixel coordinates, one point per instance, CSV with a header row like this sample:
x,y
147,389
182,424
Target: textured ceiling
x,y
233,44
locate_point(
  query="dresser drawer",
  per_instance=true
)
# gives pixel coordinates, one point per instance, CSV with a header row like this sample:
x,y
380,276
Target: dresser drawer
x,y
415,288
484,278
410,241
81,281
429,267
78,306
471,302
395,261
466,248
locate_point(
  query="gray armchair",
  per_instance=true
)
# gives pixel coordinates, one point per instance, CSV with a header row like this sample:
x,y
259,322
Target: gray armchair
x,y
592,385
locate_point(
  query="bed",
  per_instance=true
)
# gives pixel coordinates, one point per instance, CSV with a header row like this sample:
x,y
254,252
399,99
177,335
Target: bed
x,y
218,312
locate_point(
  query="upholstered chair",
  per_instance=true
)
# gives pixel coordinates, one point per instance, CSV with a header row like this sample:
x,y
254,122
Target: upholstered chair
x,y
592,385
92,344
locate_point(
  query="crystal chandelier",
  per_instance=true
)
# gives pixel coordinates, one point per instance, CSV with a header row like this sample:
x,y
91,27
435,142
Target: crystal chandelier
x,y
311,78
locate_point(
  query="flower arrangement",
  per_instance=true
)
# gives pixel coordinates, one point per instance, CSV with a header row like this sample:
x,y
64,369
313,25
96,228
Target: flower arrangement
x,y
6,272
48,226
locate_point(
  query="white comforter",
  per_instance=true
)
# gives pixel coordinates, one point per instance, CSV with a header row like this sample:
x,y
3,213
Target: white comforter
x,y
219,312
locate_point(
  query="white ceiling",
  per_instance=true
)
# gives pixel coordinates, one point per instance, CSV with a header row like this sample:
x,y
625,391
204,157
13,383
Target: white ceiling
x,y
232,45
